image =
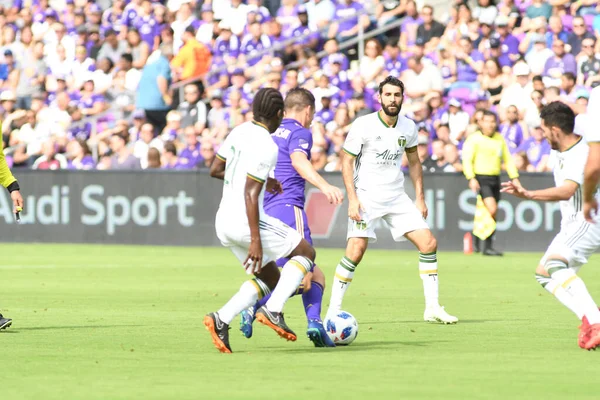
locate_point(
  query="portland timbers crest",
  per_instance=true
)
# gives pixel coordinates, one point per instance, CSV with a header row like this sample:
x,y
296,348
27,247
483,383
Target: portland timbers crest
x,y
402,141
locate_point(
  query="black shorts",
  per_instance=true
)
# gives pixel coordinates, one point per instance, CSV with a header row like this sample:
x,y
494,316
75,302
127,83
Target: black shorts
x,y
489,186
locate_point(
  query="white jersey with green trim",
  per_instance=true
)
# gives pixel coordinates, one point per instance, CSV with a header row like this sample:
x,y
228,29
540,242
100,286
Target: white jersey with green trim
x,y
568,165
591,131
248,151
378,149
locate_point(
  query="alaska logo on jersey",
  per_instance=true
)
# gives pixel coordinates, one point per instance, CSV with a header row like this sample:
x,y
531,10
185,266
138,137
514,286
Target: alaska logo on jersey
x,y
388,157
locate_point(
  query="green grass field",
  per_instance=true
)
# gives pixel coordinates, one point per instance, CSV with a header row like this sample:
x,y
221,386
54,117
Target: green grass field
x,y
122,322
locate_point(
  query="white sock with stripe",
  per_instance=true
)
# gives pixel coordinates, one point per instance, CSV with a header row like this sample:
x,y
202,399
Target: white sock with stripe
x,y
555,289
343,277
292,274
429,275
575,286
250,292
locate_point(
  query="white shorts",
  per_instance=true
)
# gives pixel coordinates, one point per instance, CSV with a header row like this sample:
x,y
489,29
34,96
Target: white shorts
x,y
576,242
278,239
401,216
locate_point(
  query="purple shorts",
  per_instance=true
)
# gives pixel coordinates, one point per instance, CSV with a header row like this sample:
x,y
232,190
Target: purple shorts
x,y
294,217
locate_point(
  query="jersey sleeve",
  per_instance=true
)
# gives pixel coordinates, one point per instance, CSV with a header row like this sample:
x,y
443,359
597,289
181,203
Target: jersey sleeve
x,y
591,131
300,141
224,149
355,139
261,165
412,140
574,167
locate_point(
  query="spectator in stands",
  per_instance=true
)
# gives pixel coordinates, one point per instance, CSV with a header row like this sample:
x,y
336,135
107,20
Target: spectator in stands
x,y
430,31
469,64
207,25
560,63
452,158
537,150
395,63
169,159
493,80
556,31
122,157
420,79
193,110
254,43
348,16
153,159
357,106
485,11
511,130
144,143
173,129
227,46
436,161
539,8
218,119
183,19
589,64
457,120
409,28
522,163
207,153
50,159
387,11
325,113
539,54
113,48
152,94
80,156
372,63
579,34
519,93
190,156
139,49
192,60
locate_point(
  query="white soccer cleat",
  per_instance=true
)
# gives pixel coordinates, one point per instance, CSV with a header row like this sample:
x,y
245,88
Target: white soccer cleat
x,y
439,315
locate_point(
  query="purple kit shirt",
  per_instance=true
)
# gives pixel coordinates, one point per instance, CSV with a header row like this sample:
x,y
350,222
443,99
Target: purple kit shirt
x,y
350,11
466,73
112,20
394,66
305,30
291,137
229,47
513,134
86,162
287,19
129,15
566,64
535,151
410,25
324,116
148,29
509,45
251,47
190,157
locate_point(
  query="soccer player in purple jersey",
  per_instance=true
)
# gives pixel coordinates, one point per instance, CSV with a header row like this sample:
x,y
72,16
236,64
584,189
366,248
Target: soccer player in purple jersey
x,y
293,169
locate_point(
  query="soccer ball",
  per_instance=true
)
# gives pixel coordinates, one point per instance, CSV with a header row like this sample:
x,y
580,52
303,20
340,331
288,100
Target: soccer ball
x,y
341,328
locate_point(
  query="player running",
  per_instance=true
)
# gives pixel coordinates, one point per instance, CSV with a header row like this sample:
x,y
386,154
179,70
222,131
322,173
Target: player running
x,y
9,182
244,162
294,140
375,186
577,239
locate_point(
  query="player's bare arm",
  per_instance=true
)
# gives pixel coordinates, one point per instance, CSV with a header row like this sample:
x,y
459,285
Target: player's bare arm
x,y
255,253
354,206
274,186
564,192
416,175
217,168
306,170
590,182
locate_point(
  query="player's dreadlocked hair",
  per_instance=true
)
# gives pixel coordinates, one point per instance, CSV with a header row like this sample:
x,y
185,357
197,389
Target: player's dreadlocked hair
x,y
560,115
390,80
299,98
267,104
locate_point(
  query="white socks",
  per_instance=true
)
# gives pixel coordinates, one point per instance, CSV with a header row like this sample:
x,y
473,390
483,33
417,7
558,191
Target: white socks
x,y
428,271
292,274
343,276
249,293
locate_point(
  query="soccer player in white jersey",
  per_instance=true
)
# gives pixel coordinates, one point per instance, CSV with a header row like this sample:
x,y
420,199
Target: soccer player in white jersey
x,y
375,185
577,239
244,162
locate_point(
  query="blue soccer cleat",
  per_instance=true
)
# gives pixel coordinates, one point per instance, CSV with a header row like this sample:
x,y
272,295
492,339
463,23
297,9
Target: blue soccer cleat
x,y
316,333
246,319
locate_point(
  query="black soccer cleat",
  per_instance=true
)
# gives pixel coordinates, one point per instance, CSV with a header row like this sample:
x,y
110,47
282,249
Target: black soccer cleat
x,y
5,322
219,331
275,321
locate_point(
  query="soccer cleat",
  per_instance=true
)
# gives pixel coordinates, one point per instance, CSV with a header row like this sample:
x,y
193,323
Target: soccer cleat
x,y
438,314
5,322
275,321
492,252
219,332
316,333
584,332
593,340
246,319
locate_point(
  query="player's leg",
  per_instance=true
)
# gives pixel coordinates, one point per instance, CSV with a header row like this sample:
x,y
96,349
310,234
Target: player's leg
x,y
426,243
5,322
217,323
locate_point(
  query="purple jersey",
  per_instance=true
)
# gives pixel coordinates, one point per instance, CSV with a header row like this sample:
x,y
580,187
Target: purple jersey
x,y
251,47
288,18
129,15
565,64
464,71
340,81
513,134
79,131
324,116
535,151
86,162
148,29
224,47
112,20
190,157
410,26
330,59
348,15
291,137
305,31
509,45
394,66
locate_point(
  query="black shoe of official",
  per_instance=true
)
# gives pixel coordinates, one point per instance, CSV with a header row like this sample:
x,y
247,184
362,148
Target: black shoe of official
x,y
219,331
476,244
492,252
276,322
5,322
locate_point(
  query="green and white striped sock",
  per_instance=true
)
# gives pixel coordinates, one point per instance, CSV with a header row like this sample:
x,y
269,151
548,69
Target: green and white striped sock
x,y
428,270
554,288
343,276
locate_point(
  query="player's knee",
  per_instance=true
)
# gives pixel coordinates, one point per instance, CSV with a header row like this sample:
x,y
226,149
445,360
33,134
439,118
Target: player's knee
x,y
356,249
431,245
304,249
541,270
318,276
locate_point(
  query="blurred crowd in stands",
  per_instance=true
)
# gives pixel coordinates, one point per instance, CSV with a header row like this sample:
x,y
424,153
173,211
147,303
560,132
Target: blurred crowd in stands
x,y
144,84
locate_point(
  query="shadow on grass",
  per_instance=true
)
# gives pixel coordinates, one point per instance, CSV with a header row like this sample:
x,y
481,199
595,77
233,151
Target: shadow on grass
x,y
421,322
359,346
51,328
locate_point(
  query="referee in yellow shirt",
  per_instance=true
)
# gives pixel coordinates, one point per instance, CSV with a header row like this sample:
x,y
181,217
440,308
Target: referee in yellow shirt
x,y
8,181
483,154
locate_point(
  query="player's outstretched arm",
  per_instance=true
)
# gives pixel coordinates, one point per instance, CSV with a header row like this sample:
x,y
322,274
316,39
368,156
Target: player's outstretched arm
x,y
217,168
252,191
563,192
591,176
416,175
354,206
306,170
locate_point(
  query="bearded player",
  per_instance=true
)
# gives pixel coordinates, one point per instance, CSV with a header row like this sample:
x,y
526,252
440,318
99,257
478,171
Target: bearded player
x,y
375,186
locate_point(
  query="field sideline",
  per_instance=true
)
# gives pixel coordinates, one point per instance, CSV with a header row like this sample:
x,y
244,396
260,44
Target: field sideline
x,y
125,322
